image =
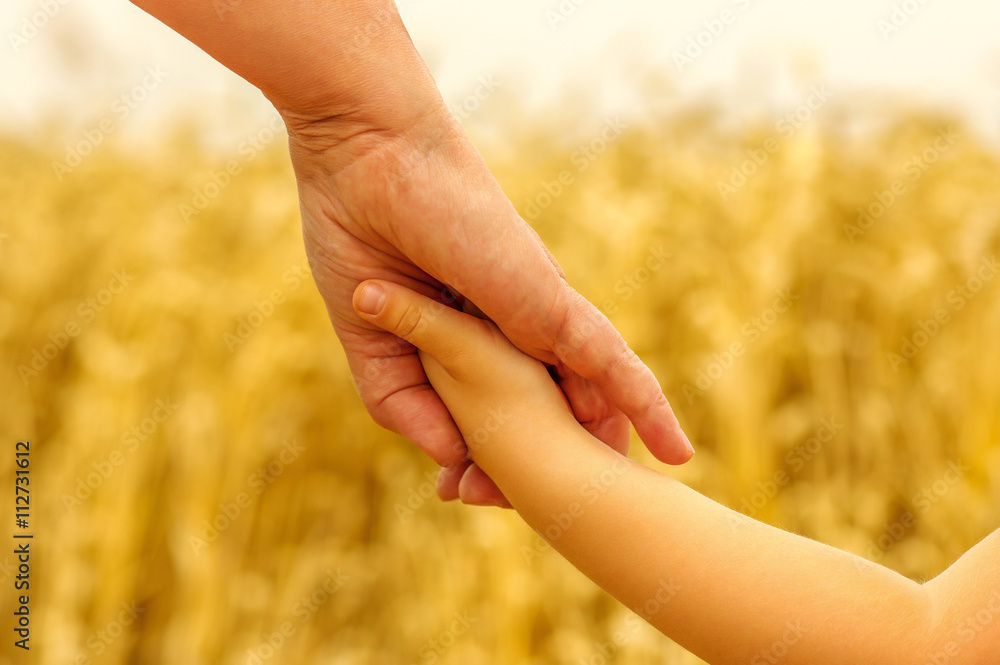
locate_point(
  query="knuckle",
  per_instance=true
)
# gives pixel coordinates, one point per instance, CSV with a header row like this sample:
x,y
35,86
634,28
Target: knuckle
x,y
375,394
657,403
379,411
624,359
410,321
579,324
564,337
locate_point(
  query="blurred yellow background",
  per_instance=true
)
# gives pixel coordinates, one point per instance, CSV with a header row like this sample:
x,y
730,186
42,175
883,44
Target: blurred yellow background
x,y
819,300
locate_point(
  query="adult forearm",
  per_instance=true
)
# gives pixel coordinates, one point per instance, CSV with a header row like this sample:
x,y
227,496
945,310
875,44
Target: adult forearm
x,y
728,588
327,57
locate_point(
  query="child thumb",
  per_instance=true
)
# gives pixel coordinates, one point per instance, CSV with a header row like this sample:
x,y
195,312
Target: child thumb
x,y
426,324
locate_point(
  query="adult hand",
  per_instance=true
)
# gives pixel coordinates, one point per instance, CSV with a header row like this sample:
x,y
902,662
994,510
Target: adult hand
x,y
391,189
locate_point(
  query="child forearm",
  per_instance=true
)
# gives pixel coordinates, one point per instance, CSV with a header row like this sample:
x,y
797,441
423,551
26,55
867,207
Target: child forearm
x,y
728,588
739,590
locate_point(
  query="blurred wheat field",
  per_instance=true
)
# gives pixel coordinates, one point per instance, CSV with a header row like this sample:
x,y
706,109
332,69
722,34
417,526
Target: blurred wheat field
x,y
201,459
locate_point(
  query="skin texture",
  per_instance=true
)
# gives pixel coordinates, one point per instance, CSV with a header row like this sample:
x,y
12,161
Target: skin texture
x,y
391,188
730,589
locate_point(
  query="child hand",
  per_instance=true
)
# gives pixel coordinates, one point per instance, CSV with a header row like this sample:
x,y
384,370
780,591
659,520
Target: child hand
x,y
494,392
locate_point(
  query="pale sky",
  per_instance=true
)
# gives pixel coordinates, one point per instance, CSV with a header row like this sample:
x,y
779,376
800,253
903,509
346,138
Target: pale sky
x,y
88,52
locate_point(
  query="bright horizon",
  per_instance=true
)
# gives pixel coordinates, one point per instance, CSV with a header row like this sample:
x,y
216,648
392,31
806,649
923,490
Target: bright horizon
x,y
753,57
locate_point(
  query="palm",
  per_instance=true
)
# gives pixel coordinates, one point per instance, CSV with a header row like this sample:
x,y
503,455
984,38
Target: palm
x,y
349,232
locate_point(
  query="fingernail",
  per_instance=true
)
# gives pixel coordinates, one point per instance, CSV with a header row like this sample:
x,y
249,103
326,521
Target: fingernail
x,y
372,299
688,442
